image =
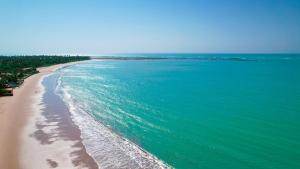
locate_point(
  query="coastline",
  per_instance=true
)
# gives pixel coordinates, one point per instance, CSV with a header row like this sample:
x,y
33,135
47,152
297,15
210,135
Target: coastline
x,y
18,115
107,147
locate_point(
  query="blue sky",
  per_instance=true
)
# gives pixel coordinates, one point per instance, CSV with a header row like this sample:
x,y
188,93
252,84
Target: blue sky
x,y
142,26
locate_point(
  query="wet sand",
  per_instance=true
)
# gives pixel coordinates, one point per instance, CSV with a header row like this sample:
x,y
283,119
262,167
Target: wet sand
x,y
35,135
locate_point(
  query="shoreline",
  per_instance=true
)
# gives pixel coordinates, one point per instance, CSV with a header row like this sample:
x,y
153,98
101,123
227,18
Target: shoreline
x,y
108,148
46,129
17,117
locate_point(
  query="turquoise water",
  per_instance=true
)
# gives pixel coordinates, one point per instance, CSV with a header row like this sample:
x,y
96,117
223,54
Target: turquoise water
x,y
194,111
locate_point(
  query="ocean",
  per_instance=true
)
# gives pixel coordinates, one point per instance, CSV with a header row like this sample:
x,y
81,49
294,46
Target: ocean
x,y
187,110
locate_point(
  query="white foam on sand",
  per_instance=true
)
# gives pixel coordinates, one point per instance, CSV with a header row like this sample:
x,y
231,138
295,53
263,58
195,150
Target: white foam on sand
x,y
109,149
35,155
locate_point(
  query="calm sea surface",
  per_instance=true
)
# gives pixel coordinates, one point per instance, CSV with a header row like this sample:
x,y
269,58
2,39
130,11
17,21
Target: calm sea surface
x,y
190,110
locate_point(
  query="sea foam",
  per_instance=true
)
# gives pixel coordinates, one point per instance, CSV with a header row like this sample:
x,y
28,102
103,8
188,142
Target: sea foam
x,y
109,149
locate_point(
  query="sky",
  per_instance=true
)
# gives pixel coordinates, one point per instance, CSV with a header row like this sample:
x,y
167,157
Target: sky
x,y
93,27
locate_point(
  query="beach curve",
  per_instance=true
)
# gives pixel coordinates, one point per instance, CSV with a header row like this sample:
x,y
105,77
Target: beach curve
x,y
18,119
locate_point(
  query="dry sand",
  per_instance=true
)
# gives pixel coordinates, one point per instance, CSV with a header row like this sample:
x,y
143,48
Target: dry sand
x,y
19,115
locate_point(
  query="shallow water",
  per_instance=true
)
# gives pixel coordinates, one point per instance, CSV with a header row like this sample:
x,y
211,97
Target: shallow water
x,y
190,111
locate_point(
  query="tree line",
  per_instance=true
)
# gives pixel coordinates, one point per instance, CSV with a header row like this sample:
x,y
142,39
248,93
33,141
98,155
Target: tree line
x,y
14,69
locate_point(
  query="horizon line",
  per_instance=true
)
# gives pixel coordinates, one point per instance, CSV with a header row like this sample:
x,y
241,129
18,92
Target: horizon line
x,y
200,53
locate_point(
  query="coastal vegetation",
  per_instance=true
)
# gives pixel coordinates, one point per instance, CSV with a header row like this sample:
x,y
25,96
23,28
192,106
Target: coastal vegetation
x,y
14,69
